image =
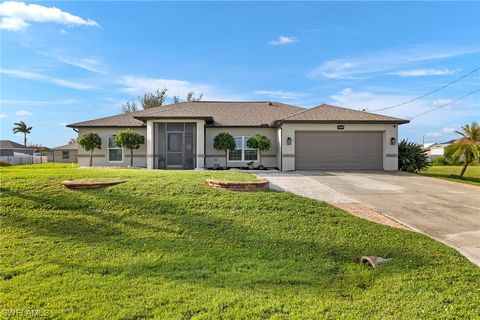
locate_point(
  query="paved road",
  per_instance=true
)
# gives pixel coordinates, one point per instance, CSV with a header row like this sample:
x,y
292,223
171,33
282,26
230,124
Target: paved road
x,y
444,210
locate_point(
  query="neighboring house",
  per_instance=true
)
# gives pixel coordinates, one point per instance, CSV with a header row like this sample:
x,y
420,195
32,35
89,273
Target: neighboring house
x,y
180,136
436,150
10,148
67,153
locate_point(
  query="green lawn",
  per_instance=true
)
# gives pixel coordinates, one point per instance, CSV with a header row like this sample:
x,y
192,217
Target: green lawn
x,y
166,246
472,175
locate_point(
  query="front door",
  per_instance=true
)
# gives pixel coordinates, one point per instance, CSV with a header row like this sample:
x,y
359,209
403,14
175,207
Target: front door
x,y
175,149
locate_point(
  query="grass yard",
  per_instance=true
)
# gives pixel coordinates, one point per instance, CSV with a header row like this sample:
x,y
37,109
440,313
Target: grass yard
x,y
165,246
472,175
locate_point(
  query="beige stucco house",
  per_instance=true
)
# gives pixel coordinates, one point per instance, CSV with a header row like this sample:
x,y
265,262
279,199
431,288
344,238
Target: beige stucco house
x,y
64,154
180,136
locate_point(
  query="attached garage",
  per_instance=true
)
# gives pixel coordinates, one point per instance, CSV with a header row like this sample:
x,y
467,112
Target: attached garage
x,y
320,150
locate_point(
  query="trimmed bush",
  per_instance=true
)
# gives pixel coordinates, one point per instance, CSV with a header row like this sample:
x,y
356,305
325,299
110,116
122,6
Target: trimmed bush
x,y
224,141
4,164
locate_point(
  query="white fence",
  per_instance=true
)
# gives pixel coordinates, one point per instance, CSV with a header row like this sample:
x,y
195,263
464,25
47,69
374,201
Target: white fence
x,y
26,159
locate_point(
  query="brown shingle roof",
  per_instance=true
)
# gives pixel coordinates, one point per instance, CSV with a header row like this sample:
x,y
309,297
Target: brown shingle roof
x,y
224,113
70,146
328,113
8,144
236,114
121,120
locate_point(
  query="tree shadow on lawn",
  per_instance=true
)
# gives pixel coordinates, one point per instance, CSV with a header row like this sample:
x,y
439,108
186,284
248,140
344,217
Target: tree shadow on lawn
x,y
214,249
452,177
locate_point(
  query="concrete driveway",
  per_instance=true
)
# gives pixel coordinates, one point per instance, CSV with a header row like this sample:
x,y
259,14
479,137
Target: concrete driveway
x,y
446,211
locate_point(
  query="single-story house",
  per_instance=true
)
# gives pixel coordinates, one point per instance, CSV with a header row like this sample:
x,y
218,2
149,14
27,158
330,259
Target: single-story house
x,y
180,136
10,148
436,150
65,154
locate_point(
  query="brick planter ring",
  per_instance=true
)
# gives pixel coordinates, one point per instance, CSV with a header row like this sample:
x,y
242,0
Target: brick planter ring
x,y
257,185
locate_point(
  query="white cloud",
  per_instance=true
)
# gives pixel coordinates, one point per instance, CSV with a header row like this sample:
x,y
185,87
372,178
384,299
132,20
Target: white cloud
x,y
40,77
3,115
422,72
384,61
12,23
448,130
282,40
440,102
140,85
23,113
444,132
16,15
89,64
440,121
433,134
279,94
63,31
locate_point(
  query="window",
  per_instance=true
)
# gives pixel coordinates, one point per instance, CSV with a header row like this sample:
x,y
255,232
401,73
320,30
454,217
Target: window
x,y
65,155
115,153
242,152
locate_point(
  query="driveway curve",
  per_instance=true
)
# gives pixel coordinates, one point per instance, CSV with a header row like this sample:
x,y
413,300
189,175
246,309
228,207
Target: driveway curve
x,y
446,211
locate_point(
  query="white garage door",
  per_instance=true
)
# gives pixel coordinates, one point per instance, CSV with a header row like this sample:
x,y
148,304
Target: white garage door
x,y
320,150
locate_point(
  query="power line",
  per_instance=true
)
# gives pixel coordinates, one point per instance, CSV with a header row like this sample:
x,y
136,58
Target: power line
x,y
446,104
429,93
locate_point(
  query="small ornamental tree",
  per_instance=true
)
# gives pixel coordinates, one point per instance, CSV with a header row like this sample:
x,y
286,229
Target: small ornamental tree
x,y
129,139
261,143
90,142
224,142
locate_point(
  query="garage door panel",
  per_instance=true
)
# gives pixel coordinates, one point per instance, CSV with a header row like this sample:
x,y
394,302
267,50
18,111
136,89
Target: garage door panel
x,y
316,150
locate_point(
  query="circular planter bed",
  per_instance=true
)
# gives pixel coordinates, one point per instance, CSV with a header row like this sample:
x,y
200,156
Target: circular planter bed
x,y
89,184
261,184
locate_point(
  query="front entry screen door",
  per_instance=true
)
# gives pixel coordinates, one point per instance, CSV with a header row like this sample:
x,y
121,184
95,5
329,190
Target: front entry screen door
x,y
175,149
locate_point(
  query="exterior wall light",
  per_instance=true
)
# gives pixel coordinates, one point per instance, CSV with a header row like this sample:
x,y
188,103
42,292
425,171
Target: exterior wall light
x,y
289,141
393,141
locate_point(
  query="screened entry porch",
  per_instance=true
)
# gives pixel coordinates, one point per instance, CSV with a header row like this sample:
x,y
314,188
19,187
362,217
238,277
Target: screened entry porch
x,y
174,145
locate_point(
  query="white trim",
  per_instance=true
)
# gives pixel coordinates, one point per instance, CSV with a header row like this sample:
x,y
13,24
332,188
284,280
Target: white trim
x,y
108,150
244,147
68,154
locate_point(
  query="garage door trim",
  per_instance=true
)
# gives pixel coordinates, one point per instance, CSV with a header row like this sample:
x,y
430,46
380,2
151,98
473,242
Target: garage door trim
x,y
374,158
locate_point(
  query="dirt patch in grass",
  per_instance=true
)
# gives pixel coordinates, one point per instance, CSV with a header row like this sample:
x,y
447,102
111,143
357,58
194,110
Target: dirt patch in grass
x,y
360,210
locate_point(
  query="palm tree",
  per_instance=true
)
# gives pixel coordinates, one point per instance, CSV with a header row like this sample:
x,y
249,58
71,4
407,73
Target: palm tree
x,y
467,147
22,127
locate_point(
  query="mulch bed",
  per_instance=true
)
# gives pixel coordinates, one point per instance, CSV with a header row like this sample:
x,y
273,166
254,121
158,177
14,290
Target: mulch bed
x,y
89,184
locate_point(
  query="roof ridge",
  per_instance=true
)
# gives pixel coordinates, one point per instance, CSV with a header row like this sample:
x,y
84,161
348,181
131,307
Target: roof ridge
x,y
230,101
376,114
303,111
164,106
103,118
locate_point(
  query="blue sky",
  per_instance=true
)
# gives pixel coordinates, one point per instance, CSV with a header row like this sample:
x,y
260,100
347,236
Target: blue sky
x,y
82,60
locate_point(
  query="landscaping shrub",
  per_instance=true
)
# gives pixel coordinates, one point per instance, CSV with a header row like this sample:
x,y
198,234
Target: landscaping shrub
x,y
412,157
4,163
440,161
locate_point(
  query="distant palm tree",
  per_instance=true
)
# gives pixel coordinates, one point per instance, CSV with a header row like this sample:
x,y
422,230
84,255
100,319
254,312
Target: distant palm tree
x,y
22,127
467,147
